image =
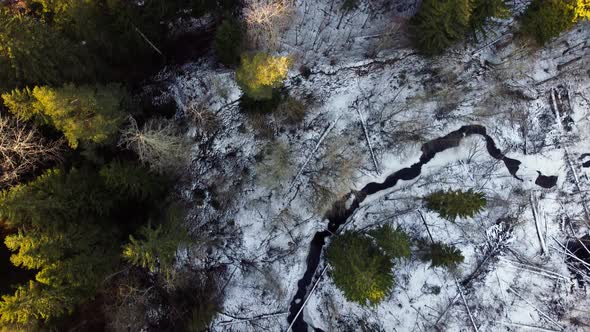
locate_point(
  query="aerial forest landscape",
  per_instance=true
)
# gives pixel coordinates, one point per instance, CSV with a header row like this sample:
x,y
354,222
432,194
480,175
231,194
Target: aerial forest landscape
x,y
295,165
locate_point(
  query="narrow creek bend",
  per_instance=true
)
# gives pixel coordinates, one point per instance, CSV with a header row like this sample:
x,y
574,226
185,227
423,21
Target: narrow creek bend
x,y
429,151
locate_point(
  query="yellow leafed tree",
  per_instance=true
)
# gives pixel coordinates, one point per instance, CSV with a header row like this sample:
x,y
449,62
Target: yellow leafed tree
x,y
259,74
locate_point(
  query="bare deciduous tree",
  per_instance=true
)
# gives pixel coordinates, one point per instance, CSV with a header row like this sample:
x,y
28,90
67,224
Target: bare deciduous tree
x,y
158,144
265,19
23,150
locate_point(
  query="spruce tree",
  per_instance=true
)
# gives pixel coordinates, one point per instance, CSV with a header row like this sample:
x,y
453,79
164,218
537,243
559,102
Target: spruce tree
x,y
55,197
259,74
485,9
440,23
546,19
155,247
441,255
452,204
132,181
360,269
394,242
85,113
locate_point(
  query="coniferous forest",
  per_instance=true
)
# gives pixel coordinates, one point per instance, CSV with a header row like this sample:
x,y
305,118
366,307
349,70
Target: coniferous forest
x,y
294,165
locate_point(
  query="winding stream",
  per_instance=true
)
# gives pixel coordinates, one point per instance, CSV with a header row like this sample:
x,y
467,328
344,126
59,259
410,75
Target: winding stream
x,y
429,151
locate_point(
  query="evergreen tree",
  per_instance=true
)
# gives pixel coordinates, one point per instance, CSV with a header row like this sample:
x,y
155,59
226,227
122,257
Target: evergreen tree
x,y
84,113
259,74
31,52
132,181
440,23
360,269
546,19
55,198
452,204
229,42
155,247
394,242
484,9
440,254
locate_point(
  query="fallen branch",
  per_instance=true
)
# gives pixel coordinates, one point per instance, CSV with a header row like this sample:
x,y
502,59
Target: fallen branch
x,y
536,217
368,140
466,306
317,146
537,309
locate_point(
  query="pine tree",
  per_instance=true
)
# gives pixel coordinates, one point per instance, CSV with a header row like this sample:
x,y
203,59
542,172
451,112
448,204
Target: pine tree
x,y
229,42
440,23
453,204
394,242
31,52
360,269
259,74
84,113
440,254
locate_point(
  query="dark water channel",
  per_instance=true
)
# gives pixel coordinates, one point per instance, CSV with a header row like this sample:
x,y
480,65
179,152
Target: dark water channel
x,y
338,215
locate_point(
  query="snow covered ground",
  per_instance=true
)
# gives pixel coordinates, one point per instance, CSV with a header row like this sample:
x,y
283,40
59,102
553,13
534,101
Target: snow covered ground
x,y
372,102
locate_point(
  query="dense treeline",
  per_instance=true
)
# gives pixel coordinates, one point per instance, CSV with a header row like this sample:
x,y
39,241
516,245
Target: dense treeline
x,y
96,213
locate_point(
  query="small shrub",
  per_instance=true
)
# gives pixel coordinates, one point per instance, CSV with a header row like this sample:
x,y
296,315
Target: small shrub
x,y
394,242
453,204
260,73
291,111
229,42
349,5
360,269
441,255
276,166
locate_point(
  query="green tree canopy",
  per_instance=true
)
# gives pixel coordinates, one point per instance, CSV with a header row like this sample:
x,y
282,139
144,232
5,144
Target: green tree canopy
x,y
546,19
452,204
69,227
155,247
84,113
31,52
360,269
441,255
393,241
441,23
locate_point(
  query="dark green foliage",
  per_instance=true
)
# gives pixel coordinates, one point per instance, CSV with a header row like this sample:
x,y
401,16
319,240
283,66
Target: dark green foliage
x,y
360,269
440,254
452,204
394,242
229,42
546,19
32,52
155,247
483,10
55,198
349,5
441,23
69,228
132,180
